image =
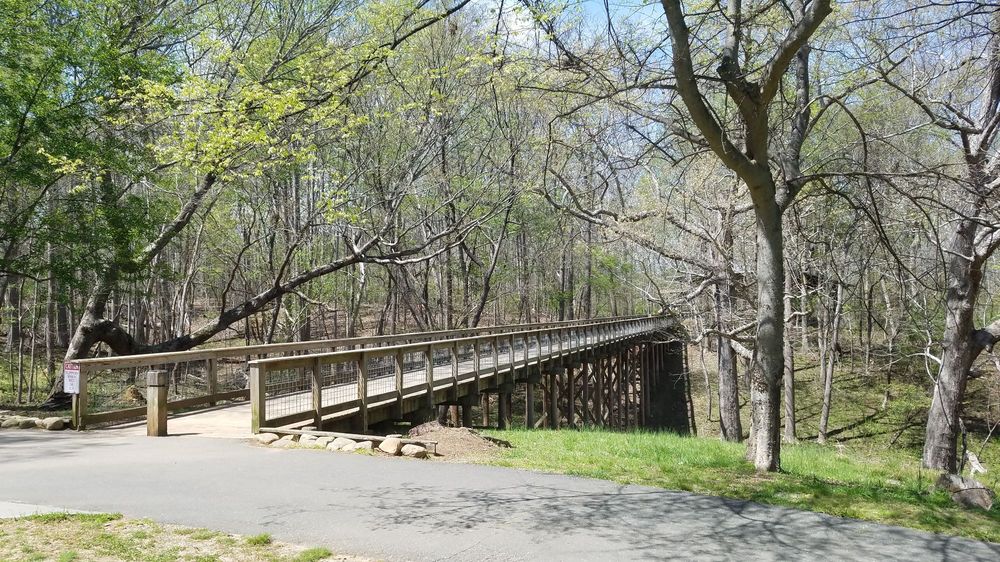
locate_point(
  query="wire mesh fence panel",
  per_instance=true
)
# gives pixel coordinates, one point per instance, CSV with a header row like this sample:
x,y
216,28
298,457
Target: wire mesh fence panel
x,y
442,363
288,391
414,369
340,382
485,354
116,389
466,358
381,374
232,373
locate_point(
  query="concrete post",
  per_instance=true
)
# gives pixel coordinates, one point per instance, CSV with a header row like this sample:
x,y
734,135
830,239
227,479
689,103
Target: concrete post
x,y
156,403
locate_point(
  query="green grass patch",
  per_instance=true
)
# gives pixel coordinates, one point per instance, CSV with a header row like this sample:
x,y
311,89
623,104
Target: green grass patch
x,y
259,540
313,555
70,537
887,487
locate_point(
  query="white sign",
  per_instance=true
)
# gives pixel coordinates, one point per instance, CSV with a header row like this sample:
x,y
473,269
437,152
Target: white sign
x,y
71,378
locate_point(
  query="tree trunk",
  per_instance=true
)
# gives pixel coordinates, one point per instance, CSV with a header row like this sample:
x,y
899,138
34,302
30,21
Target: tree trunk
x,y
960,349
828,365
789,376
764,448
730,426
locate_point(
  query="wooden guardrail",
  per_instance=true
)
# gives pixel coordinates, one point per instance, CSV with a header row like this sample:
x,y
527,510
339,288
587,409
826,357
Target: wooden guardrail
x,y
108,385
281,392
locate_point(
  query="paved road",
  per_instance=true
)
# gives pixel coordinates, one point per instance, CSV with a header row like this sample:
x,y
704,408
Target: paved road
x,y
399,509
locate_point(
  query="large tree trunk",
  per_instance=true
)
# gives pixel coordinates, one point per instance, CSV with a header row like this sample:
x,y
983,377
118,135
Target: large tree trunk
x,y
960,349
764,448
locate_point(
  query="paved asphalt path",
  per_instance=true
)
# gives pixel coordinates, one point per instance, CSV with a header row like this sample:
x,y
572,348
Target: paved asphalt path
x,y
401,509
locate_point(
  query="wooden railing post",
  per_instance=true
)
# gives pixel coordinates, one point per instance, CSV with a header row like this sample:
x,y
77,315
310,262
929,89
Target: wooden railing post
x,y
80,401
476,361
213,378
454,367
258,400
317,393
362,421
429,366
400,357
156,403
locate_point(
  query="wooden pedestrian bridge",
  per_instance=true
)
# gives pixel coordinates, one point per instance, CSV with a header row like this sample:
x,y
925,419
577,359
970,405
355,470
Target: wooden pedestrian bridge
x,y
612,372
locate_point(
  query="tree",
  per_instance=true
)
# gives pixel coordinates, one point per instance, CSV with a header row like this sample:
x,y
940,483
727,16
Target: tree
x,y
770,195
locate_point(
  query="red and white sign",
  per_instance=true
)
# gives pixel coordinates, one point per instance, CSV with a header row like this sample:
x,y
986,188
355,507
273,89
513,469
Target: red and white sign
x,y
71,378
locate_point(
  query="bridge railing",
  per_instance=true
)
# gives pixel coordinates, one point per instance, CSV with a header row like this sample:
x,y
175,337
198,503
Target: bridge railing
x,y
112,389
309,388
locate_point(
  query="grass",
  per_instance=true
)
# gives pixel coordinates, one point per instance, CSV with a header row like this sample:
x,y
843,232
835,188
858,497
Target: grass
x,y
869,469
76,537
887,488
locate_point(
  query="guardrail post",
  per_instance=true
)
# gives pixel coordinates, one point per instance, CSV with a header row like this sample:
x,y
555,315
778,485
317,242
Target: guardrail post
x,y
454,369
400,357
362,419
317,393
156,403
213,378
258,397
80,402
429,366
475,363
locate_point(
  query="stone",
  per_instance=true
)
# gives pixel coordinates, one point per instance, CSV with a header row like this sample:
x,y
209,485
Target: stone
x,y
967,492
28,423
266,438
364,446
10,423
415,451
391,446
307,440
340,443
285,442
323,441
53,424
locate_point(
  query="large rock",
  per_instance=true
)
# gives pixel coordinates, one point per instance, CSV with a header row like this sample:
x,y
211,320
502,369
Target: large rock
x,y
391,446
307,440
285,442
340,443
415,451
28,423
53,424
363,446
11,423
323,441
266,438
967,492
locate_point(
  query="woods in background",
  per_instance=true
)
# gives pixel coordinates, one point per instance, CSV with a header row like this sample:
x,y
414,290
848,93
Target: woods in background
x,y
793,180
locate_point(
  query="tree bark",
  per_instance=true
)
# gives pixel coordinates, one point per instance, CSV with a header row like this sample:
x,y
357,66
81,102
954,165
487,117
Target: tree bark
x,y
960,348
765,379
789,374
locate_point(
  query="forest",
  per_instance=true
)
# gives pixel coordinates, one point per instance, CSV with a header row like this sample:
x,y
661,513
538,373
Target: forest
x,y
805,185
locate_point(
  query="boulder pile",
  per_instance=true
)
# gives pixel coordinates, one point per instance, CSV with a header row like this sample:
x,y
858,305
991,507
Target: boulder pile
x,y
392,445
11,421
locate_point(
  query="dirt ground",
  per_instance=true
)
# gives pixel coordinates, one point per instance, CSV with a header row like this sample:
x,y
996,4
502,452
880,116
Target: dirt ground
x,y
457,444
110,537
